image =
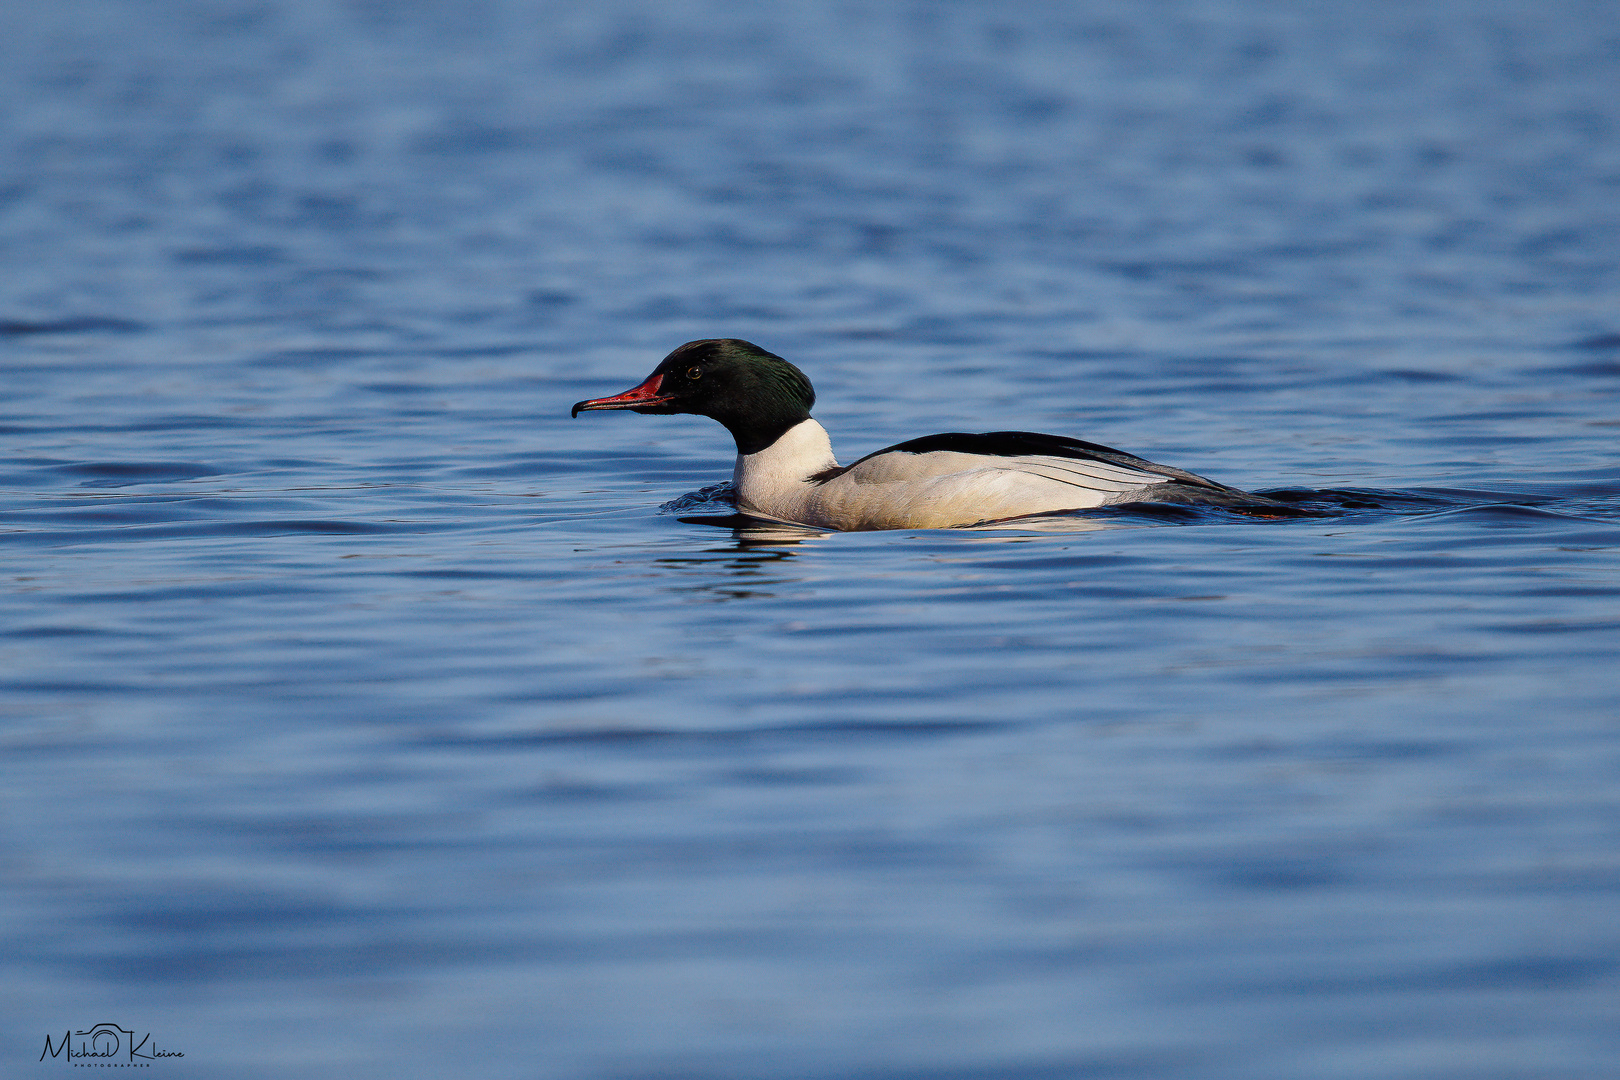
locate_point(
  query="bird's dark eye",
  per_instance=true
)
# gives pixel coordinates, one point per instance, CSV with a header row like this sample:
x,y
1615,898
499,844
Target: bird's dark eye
x,y
694,372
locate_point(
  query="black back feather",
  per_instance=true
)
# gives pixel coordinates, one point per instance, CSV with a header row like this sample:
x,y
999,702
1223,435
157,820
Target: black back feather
x,y
1027,444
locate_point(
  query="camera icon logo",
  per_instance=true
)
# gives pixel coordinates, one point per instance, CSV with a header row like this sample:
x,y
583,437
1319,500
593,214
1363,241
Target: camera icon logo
x,y
105,1040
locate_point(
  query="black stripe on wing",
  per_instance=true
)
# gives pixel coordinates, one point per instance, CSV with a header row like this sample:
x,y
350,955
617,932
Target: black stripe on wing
x,y
1013,444
1024,444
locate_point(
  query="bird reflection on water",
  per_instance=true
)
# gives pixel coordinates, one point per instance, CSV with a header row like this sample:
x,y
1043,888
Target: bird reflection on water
x,y
745,566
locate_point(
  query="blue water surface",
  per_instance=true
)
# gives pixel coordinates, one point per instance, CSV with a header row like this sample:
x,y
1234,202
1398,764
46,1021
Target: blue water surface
x,y
362,715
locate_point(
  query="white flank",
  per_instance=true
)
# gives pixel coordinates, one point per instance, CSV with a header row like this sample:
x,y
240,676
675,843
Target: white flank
x,y
941,489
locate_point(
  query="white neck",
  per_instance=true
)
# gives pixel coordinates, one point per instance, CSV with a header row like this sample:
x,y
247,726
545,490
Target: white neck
x,y
775,480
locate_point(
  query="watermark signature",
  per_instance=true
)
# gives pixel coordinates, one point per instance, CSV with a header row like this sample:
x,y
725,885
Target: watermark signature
x,y
106,1045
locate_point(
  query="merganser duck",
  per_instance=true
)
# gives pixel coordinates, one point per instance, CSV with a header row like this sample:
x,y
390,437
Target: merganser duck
x,y
786,470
